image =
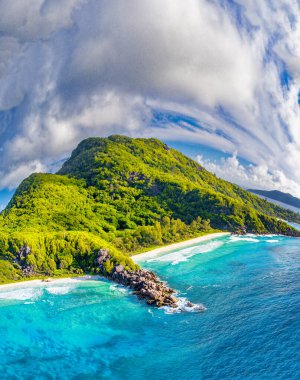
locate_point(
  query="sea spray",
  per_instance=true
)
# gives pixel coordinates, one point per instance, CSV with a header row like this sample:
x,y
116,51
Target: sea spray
x,y
184,306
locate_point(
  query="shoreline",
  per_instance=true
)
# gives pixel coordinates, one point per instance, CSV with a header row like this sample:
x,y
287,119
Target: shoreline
x,y
173,246
135,258
37,282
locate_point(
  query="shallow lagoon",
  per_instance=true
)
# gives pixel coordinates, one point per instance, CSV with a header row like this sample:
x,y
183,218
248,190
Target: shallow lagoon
x,y
95,330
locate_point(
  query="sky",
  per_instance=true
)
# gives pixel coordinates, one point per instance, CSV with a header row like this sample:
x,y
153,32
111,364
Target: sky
x,y
218,79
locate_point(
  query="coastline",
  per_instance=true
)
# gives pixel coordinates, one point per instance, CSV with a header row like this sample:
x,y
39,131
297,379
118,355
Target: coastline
x,y
36,282
136,258
182,244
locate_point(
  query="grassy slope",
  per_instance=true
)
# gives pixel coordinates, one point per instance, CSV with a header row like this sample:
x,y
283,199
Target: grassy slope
x,y
126,195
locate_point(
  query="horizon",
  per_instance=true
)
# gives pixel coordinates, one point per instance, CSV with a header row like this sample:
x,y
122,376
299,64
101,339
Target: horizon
x,y
149,189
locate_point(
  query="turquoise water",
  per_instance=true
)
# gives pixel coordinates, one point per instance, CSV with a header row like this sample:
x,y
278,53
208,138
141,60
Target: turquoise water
x,y
95,330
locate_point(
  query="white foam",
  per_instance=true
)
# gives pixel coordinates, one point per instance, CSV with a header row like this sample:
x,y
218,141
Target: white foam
x,y
236,238
58,289
22,294
33,290
211,286
272,241
183,306
176,246
185,254
119,288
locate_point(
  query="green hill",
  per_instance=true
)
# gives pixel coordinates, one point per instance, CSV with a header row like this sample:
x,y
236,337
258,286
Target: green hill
x,y
126,195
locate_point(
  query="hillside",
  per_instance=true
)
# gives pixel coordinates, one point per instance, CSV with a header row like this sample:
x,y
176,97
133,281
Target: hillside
x,y
278,196
124,195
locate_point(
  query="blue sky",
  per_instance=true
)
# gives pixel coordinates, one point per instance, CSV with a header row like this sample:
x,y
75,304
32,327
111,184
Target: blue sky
x,y
5,196
217,79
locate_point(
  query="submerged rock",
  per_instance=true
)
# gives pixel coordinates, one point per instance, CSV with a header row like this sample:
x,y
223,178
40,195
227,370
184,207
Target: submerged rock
x,y
144,283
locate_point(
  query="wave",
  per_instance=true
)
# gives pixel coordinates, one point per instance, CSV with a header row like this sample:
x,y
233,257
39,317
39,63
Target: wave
x,y
119,288
254,238
22,294
249,238
211,286
184,254
34,289
184,306
59,290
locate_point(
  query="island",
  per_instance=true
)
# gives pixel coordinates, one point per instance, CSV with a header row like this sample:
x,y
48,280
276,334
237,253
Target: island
x,y
116,197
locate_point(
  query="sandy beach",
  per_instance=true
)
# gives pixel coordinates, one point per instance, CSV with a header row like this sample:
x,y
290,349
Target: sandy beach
x,y
139,257
182,244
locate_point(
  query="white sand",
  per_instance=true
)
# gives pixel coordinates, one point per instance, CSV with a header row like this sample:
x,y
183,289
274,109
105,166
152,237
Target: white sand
x,y
182,244
141,256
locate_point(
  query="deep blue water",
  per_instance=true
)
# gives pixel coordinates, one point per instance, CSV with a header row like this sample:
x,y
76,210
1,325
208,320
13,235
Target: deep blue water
x,y
95,330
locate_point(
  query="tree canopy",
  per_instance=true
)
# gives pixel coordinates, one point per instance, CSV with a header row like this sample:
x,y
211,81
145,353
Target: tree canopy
x,y
125,195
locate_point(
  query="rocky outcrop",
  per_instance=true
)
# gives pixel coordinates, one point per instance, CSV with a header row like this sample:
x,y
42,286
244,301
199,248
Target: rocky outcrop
x,y
21,260
144,284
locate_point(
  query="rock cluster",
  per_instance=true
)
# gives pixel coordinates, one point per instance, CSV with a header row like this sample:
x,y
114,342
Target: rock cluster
x,y
21,260
145,284
241,230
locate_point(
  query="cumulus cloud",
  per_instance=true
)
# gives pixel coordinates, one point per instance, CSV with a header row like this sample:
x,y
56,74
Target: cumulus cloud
x,y
70,69
11,180
36,19
140,49
250,176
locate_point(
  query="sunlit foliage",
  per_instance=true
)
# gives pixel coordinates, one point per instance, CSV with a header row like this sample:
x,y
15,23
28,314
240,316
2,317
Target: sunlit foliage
x,y
125,195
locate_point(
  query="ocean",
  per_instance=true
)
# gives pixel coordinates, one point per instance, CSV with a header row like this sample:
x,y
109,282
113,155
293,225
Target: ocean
x,y
94,329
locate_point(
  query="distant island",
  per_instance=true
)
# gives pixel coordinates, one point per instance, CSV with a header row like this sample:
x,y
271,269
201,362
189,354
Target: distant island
x,y
278,196
118,196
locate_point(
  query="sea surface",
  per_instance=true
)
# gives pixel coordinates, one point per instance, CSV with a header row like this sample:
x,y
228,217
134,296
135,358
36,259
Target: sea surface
x,y
92,329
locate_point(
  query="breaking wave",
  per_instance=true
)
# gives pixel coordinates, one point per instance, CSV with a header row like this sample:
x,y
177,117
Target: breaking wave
x,y
59,290
119,288
23,294
184,254
236,238
184,306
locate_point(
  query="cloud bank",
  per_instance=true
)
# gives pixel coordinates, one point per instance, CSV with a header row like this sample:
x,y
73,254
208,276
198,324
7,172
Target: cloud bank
x,y
249,176
70,69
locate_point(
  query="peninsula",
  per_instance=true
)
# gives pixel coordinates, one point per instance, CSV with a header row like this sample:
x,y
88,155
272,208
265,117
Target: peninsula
x,y
117,196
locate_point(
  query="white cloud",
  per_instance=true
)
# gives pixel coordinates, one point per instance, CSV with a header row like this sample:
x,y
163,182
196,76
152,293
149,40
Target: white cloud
x,y
54,134
75,68
187,52
250,176
36,19
12,179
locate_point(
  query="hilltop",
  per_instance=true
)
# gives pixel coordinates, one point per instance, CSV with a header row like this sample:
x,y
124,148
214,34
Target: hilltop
x,y
124,195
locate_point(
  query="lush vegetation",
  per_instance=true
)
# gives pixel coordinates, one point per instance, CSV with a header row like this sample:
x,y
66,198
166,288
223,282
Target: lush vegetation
x,y
125,195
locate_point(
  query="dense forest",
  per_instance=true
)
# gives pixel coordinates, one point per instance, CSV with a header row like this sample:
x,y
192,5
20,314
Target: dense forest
x,y
125,195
